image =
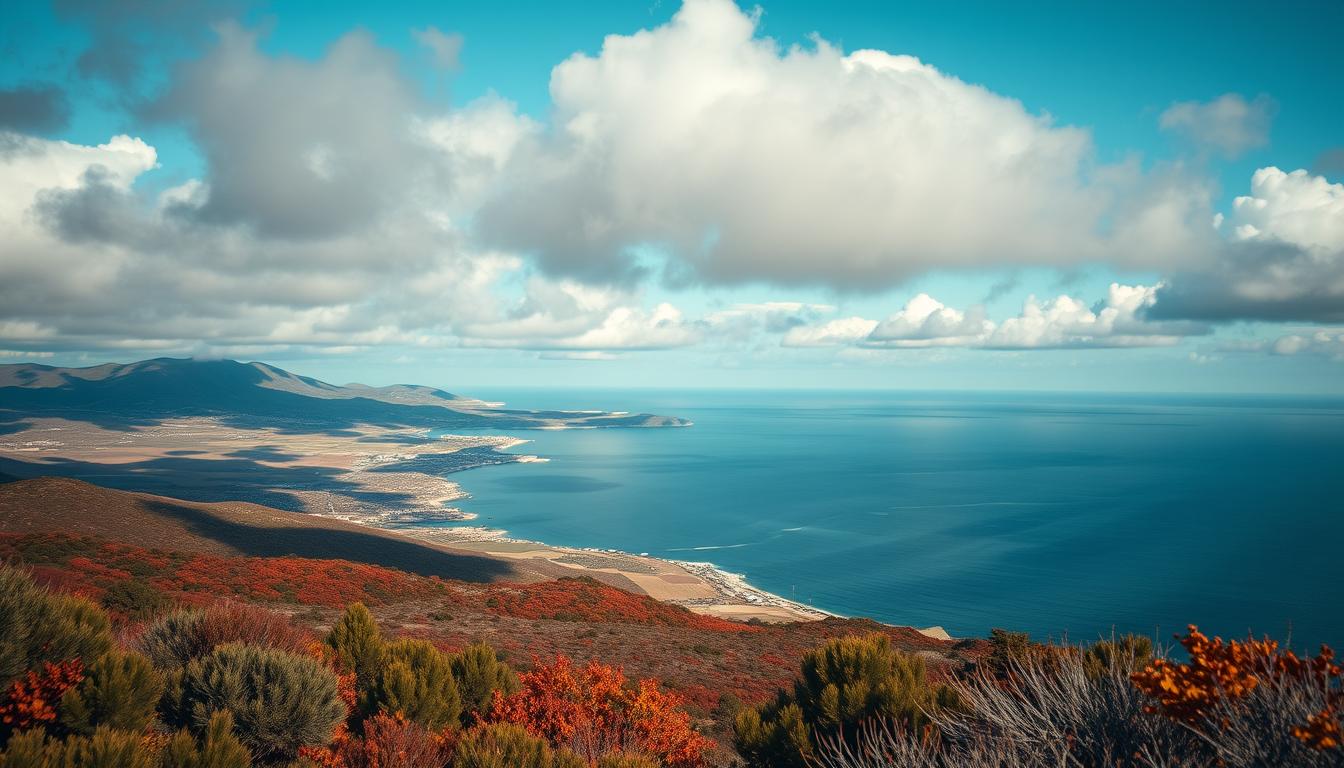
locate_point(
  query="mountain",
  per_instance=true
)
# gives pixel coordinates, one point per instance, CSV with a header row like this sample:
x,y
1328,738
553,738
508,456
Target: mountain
x,y
257,394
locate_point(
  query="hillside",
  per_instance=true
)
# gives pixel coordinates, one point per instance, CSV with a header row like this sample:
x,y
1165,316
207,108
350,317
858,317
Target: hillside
x,y
230,529
139,554
256,394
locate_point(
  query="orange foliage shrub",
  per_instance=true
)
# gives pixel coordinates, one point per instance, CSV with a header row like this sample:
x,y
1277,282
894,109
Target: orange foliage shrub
x,y
1231,670
33,699
594,711
389,742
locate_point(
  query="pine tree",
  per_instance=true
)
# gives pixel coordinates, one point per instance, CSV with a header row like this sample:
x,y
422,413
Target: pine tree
x,y
416,682
840,685
120,690
218,747
358,647
479,674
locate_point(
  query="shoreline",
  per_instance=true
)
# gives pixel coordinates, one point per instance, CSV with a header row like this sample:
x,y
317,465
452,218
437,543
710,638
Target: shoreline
x,y
698,586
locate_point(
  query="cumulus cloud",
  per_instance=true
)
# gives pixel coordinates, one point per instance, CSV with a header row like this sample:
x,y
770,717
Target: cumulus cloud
x,y
89,262
925,321
831,333
300,148
749,162
1229,124
566,315
1329,343
1061,322
1284,259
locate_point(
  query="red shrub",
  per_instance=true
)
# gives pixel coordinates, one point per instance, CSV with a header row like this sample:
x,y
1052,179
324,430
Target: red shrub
x,y
594,711
32,700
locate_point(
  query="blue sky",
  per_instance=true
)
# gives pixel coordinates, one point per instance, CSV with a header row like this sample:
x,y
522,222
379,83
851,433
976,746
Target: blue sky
x,y
1084,145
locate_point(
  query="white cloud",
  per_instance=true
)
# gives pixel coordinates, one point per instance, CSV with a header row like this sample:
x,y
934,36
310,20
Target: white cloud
x,y
1329,343
924,321
1297,208
1229,123
1283,259
832,333
811,166
1062,322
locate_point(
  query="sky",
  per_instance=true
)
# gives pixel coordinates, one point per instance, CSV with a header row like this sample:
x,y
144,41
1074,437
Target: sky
x,y
958,195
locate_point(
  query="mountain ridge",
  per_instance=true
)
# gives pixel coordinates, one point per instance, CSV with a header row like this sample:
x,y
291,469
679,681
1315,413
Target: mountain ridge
x,y
168,387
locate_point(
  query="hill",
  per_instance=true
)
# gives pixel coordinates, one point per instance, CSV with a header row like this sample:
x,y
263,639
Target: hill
x,y
257,394
71,507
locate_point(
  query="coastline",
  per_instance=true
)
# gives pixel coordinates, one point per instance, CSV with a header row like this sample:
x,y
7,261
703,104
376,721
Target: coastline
x,y
699,586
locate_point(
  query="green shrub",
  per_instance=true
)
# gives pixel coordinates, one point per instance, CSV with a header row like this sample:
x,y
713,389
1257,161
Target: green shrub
x,y
479,673
38,626
1006,649
280,701
416,682
120,690
173,640
358,646
773,735
841,685
502,745
134,599
1126,653
106,748
218,747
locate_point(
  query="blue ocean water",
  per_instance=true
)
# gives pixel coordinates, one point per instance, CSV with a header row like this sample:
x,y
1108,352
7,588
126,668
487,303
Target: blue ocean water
x,y
1061,515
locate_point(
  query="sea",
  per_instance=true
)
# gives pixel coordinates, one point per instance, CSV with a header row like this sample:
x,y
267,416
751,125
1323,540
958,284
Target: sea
x,y
1068,516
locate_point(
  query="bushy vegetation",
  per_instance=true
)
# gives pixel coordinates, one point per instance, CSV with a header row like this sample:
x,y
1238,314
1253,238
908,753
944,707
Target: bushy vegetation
x,y
280,701
225,684
480,676
38,626
177,638
502,745
416,682
841,685
119,691
1237,704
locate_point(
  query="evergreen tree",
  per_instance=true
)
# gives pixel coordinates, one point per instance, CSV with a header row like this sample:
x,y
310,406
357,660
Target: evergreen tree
x,y
358,647
841,685
120,690
416,682
218,747
479,673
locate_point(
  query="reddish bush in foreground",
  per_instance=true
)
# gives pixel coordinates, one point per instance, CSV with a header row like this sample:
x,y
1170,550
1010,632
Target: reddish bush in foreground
x,y
1219,672
33,700
594,711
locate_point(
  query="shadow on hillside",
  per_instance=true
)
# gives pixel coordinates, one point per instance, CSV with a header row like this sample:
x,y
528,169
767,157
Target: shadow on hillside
x,y
183,477
337,544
